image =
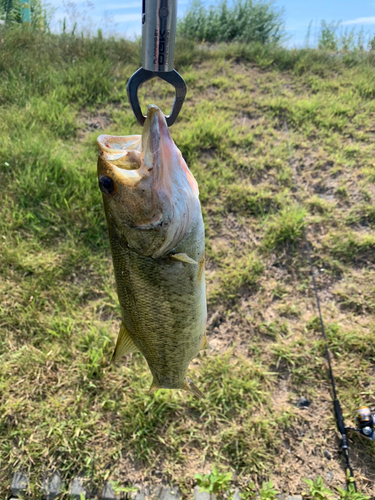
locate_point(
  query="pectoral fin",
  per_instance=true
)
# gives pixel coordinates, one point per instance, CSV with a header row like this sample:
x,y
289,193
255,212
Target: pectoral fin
x,y
124,344
182,257
205,344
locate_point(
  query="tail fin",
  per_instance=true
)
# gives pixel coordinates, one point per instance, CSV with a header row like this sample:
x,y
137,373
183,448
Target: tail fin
x,y
191,387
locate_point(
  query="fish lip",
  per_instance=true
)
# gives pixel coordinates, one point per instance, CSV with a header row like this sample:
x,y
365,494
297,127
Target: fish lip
x,y
153,113
155,131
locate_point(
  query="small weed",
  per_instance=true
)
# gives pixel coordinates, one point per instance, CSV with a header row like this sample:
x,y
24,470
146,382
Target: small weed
x,y
352,151
244,272
288,310
350,246
352,494
318,491
319,205
342,192
267,491
284,227
362,214
247,200
214,482
117,488
279,291
274,329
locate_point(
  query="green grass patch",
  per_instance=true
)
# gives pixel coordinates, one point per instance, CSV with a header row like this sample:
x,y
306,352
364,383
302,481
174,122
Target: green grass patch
x,y
62,403
285,227
237,275
350,246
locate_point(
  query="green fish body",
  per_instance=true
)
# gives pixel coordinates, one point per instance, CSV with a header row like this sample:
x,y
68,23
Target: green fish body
x,y
156,234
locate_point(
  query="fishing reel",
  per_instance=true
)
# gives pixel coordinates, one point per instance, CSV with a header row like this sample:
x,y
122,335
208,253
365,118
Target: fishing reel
x,y
365,419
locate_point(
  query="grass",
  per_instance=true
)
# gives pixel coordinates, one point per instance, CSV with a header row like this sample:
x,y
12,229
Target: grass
x,y
244,21
10,11
61,402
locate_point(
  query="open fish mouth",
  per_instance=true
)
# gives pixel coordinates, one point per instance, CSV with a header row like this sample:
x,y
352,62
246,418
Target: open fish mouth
x,y
133,152
122,152
147,187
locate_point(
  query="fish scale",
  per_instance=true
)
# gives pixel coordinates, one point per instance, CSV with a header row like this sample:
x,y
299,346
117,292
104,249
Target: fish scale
x,y
161,293
177,310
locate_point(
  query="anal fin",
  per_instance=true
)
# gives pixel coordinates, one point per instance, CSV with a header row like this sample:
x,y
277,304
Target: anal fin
x,y
124,344
182,257
154,387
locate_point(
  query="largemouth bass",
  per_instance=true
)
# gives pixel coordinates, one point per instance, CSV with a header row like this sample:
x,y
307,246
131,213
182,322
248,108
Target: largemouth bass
x,y
156,235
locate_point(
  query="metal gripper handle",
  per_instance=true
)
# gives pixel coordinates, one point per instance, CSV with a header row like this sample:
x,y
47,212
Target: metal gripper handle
x,y
158,39
159,19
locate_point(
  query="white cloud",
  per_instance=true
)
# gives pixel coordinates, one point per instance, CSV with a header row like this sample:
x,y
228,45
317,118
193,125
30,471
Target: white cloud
x,y
123,6
132,5
361,20
88,3
123,18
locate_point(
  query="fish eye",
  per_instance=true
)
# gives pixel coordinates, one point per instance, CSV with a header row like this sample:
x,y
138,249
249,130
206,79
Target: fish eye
x,y
106,184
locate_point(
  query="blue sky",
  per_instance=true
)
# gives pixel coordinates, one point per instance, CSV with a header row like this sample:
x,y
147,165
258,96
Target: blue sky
x,y
124,17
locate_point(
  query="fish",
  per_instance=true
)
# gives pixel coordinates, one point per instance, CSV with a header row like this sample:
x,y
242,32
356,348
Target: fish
x,y
157,240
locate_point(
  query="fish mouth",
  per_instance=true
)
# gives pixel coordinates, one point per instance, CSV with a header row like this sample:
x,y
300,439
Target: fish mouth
x,y
122,152
147,152
155,195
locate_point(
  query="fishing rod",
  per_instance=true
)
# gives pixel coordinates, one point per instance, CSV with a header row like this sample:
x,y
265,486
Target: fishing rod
x,y
365,416
159,18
